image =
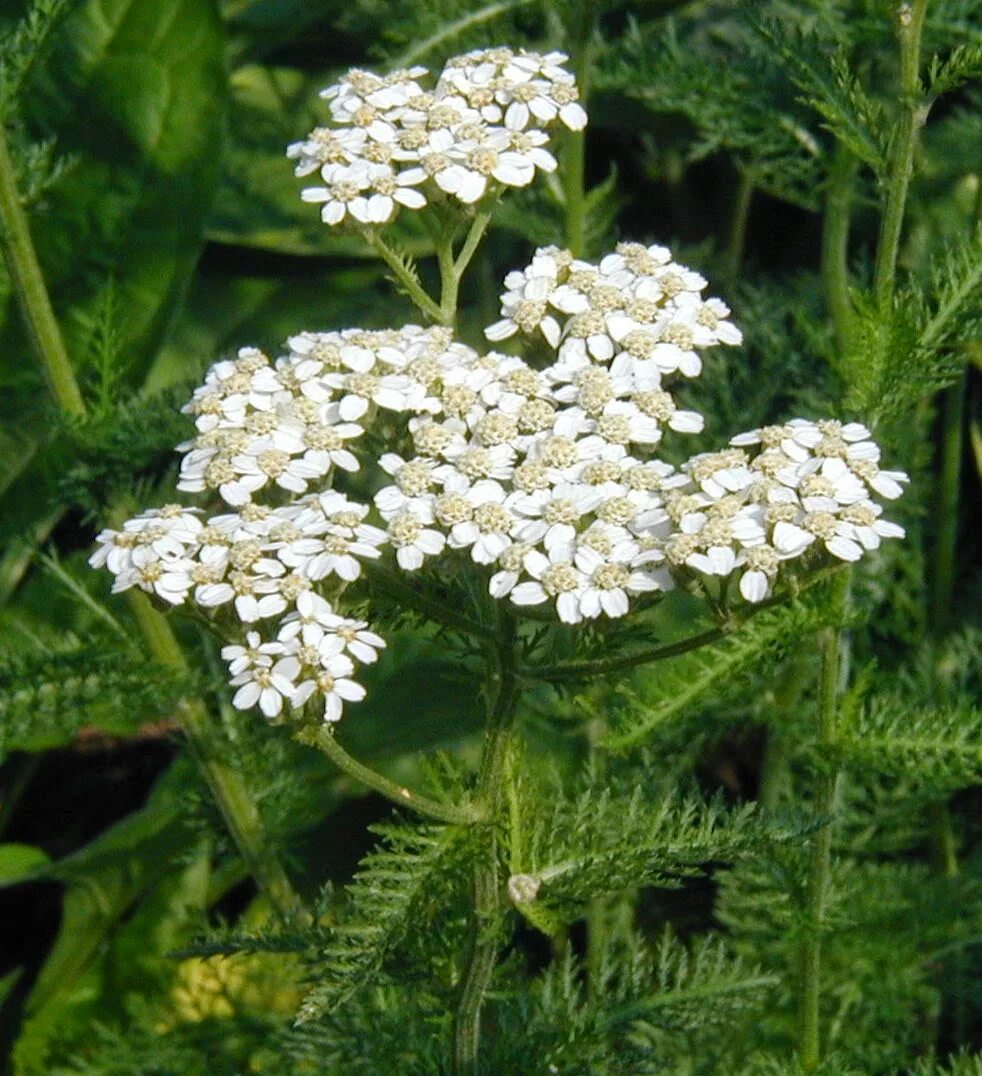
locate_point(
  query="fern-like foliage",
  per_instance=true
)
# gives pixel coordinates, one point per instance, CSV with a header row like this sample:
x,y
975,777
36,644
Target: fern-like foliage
x,y
690,680
828,85
21,48
401,886
732,92
614,834
639,1008
940,747
898,357
49,694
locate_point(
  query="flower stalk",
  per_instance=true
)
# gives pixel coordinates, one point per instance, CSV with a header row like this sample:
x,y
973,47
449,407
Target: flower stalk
x,y
488,897
819,871
322,737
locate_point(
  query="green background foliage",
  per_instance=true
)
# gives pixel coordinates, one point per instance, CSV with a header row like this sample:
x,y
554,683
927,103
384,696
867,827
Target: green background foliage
x,y
665,814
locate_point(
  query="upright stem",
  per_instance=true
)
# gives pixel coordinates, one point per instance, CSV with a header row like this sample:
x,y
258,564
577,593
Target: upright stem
x,y
230,791
487,888
949,477
574,160
738,224
835,243
32,295
911,116
809,1039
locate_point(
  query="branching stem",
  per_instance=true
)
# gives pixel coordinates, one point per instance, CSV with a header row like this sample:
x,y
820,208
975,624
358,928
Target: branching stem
x,y
404,276
324,740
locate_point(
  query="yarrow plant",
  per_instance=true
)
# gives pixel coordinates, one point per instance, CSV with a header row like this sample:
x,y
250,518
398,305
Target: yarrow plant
x,y
587,576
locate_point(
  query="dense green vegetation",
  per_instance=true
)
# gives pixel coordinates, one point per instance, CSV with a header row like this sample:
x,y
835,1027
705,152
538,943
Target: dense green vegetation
x,y
712,836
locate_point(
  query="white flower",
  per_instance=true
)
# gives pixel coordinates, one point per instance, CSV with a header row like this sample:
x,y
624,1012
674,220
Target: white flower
x,y
331,681
413,540
554,576
609,582
269,685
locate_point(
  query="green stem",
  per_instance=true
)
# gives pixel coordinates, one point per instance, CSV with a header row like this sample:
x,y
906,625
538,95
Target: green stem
x,y
581,670
775,770
912,113
949,478
472,240
835,243
32,295
449,279
816,897
404,276
574,159
231,794
487,889
228,788
324,740
738,224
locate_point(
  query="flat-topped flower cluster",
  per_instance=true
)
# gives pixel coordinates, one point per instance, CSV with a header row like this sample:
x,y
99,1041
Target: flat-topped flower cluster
x,y
394,144
546,477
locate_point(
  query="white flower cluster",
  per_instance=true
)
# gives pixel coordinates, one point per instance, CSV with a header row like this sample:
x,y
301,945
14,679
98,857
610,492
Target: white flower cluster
x,y
395,144
810,484
546,476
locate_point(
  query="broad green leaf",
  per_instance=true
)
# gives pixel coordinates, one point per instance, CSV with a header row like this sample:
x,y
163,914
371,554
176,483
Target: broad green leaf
x,y
135,92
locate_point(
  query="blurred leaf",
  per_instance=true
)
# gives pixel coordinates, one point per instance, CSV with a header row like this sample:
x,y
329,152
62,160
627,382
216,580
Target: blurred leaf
x,y
103,880
17,860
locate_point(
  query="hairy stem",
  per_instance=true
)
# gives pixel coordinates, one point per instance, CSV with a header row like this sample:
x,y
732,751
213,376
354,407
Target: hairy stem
x,y
230,791
404,276
775,771
32,294
816,897
487,890
912,113
835,243
324,740
472,240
